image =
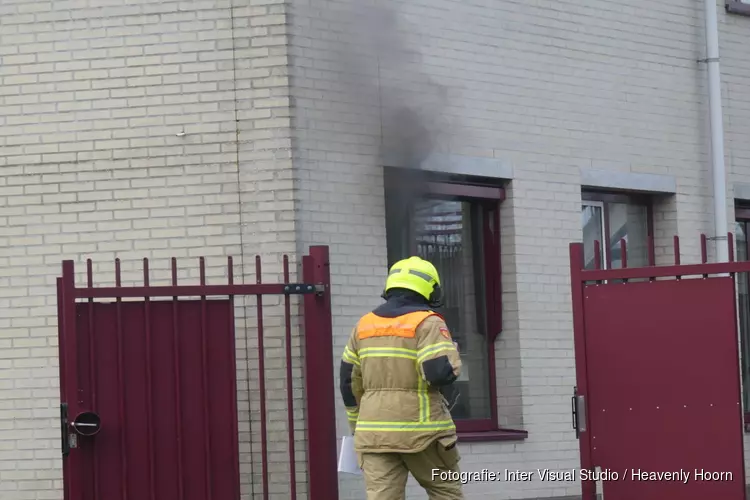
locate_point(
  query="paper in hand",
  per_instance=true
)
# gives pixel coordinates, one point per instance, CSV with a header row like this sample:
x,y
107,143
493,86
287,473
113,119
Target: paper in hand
x,y
348,461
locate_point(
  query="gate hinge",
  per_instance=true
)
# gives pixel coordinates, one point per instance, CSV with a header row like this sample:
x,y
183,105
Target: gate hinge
x,y
64,431
303,288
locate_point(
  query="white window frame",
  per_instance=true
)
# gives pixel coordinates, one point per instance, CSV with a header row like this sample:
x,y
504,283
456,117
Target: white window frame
x,y
603,243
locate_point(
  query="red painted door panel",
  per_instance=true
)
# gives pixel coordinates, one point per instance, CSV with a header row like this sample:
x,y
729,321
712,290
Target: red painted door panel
x,y
165,391
663,387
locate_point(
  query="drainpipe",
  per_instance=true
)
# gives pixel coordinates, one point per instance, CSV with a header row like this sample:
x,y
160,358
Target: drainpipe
x,y
717,132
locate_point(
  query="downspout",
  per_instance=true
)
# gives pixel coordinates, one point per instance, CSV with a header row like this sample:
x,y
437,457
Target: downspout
x,y
717,132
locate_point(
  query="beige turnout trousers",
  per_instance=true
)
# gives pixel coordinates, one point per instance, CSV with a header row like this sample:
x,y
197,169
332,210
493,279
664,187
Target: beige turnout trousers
x,y
435,468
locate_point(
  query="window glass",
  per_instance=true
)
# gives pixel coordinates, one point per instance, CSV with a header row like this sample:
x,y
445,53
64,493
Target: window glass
x,y
593,224
398,228
628,221
449,234
609,222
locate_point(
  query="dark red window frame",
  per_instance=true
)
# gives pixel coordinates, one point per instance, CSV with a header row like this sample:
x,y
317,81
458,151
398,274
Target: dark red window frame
x,y
489,198
610,197
742,214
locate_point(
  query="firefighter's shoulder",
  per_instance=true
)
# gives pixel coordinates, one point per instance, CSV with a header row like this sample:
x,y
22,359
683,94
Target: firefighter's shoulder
x,y
436,323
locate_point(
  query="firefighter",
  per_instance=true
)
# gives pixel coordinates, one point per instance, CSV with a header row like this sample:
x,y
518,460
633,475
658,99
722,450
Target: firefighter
x,y
397,360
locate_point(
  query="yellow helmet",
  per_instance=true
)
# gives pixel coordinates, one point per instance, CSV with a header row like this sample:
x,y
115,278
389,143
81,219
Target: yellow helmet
x,y
417,275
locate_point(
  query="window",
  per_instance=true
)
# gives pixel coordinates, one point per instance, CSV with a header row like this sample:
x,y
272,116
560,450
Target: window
x,y
610,218
456,227
741,7
742,226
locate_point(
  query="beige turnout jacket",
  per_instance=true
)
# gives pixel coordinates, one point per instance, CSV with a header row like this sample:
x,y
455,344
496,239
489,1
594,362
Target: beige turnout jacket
x,y
391,371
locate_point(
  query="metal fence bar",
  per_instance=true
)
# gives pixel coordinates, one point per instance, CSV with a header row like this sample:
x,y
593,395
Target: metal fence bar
x,y
577,284
72,385
149,389
651,251
177,380
262,382
233,353
597,254
120,381
204,374
189,291
289,385
667,271
64,430
321,438
704,252
677,270
92,365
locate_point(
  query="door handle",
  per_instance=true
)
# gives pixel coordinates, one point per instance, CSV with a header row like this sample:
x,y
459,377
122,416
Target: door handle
x,y
573,412
81,425
578,412
87,423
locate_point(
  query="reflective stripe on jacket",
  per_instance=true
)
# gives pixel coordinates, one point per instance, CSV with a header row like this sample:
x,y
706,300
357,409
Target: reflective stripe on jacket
x,y
391,372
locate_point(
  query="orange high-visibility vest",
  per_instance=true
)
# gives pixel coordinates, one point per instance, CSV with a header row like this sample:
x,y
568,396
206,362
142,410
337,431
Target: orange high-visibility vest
x,y
404,326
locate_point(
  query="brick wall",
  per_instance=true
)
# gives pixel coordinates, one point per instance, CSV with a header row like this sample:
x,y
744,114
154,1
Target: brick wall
x,y
119,134
268,228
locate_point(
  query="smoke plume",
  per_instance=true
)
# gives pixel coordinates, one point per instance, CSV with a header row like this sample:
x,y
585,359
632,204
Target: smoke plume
x,y
410,103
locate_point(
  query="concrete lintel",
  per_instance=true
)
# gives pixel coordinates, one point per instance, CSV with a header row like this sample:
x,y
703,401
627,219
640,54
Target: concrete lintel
x,y
458,165
630,181
741,191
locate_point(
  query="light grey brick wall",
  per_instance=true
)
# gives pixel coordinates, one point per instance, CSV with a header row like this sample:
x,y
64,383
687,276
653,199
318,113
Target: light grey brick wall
x,y
152,129
266,186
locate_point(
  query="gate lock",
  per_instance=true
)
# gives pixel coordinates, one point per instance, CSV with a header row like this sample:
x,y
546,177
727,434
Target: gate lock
x,y
87,423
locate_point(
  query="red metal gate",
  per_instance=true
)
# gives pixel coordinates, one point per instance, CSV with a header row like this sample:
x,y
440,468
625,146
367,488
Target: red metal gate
x,y
657,408
149,387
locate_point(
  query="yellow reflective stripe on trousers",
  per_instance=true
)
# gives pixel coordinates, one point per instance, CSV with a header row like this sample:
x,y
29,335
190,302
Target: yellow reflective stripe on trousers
x,y
387,352
438,425
350,356
433,349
